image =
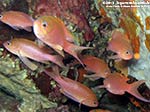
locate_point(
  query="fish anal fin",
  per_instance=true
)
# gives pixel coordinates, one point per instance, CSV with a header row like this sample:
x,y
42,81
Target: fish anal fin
x,y
28,63
57,60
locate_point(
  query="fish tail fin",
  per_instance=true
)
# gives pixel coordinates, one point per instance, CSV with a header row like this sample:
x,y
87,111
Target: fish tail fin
x,y
53,73
57,60
134,90
74,50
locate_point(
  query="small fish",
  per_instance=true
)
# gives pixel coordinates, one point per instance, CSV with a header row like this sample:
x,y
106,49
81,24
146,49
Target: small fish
x,y
100,110
17,20
73,89
117,84
121,45
52,31
28,49
96,65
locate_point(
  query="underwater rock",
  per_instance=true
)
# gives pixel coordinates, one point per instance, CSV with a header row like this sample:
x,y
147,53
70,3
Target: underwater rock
x,y
8,103
141,68
16,5
14,81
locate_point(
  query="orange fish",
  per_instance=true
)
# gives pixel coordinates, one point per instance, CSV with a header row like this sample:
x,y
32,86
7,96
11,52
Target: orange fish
x,y
73,89
100,110
117,84
120,44
52,31
17,20
130,27
28,49
96,65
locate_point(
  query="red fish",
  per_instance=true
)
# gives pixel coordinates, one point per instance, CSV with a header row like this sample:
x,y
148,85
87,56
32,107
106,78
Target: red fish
x,y
28,49
73,89
52,31
17,20
121,45
96,65
117,84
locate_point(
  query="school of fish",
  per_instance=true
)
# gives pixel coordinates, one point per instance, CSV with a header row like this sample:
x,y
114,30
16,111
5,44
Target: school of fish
x,y
54,34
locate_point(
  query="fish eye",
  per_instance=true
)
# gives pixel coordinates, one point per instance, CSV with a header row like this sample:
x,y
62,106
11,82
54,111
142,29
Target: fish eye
x,y
95,102
1,16
8,43
127,52
44,24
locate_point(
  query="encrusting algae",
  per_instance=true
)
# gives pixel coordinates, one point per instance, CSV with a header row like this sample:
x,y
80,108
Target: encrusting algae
x,y
15,81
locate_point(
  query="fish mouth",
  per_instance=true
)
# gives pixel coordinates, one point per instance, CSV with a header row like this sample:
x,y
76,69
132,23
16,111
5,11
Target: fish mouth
x,y
5,44
128,57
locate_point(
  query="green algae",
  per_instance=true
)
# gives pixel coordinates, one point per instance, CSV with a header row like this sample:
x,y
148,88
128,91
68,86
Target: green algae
x,y
14,81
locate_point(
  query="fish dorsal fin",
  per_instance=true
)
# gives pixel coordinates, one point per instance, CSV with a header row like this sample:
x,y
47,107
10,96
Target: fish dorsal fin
x,y
115,34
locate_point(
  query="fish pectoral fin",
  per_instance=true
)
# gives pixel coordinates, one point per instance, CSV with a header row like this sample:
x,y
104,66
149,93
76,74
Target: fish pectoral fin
x,y
99,87
69,36
115,57
58,49
40,43
15,28
28,63
81,102
29,29
45,62
60,52
43,46
92,77
68,95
